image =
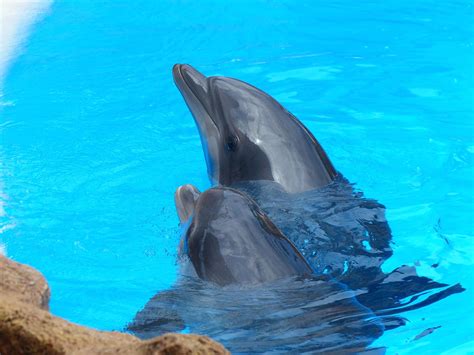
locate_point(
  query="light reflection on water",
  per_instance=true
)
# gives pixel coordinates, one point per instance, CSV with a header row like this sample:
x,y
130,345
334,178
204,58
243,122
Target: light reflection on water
x,y
285,316
345,308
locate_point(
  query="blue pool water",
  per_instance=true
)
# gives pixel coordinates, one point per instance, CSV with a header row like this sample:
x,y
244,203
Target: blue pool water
x,y
95,138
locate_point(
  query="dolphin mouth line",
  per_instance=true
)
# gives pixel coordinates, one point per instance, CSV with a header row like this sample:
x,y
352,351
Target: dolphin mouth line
x,y
180,78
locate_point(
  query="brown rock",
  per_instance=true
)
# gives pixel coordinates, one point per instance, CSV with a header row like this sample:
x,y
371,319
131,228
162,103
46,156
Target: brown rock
x,y
182,344
23,283
179,344
25,328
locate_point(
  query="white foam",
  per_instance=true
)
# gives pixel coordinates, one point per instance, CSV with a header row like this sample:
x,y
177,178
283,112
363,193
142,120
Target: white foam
x,y
16,19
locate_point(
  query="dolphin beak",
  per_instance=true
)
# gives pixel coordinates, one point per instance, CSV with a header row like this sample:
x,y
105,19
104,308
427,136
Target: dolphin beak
x,y
186,77
193,86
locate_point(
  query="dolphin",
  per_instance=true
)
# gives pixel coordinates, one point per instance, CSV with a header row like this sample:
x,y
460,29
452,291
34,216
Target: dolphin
x,y
244,283
252,144
230,240
250,285
247,135
262,290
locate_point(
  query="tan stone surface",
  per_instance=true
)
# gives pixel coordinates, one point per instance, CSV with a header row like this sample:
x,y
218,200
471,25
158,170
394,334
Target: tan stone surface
x,y
23,283
179,344
26,327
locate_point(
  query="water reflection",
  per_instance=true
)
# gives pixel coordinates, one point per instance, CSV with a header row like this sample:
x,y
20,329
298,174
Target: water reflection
x,y
345,238
289,315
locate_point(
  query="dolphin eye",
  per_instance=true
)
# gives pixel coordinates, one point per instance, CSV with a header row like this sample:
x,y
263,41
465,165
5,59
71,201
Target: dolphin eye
x,y
232,143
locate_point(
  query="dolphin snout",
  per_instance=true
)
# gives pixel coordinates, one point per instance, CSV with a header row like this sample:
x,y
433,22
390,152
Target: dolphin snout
x,y
194,87
186,74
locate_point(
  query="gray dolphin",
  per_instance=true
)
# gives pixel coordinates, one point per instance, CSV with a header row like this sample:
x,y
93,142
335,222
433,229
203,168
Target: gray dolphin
x,y
247,135
230,240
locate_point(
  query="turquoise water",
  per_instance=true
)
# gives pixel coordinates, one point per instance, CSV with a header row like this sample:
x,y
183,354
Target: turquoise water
x,y
95,138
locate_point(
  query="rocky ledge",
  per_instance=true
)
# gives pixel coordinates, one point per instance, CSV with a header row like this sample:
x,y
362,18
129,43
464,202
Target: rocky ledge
x,y
27,327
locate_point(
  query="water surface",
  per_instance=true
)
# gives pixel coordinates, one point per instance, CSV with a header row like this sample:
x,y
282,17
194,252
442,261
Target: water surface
x,y
95,138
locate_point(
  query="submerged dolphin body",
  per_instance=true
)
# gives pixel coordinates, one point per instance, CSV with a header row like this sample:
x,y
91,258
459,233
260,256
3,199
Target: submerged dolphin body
x,y
261,289
285,316
247,135
257,299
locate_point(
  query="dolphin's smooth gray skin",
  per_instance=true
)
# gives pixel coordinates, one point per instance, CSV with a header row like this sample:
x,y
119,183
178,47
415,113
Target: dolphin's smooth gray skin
x,y
247,135
229,240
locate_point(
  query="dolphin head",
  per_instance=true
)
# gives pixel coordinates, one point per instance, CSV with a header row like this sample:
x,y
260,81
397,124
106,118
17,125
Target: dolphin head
x,y
247,135
230,240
